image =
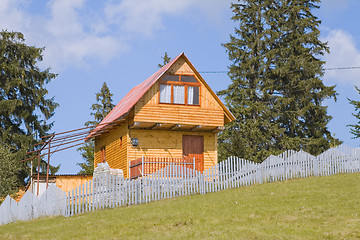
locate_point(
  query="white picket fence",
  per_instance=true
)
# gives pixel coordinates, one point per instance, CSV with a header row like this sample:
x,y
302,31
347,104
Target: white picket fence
x,y
109,191
51,203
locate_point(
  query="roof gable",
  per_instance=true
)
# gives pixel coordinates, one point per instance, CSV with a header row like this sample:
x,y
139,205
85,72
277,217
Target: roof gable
x,y
228,114
135,94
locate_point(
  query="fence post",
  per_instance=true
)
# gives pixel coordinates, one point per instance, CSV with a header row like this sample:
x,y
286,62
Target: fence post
x,y
129,169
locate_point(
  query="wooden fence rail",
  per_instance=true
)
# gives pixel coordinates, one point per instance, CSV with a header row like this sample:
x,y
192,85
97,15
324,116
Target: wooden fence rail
x,y
147,165
172,180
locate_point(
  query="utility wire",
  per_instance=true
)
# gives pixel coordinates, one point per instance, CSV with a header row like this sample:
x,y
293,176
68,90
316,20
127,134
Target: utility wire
x,y
213,71
341,68
326,69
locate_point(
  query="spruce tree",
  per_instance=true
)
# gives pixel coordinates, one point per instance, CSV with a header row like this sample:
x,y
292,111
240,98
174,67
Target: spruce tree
x,y
296,74
166,59
102,106
87,153
9,167
355,128
99,109
248,97
25,109
276,91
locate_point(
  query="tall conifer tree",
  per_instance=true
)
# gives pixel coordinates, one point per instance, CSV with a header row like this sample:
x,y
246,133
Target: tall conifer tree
x,y
102,106
355,128
9,167
252,135
99,109
276,91
166,59
25,109
296,74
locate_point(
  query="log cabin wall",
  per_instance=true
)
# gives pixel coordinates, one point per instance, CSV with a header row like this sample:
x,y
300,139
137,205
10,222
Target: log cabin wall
x,y
158,143
116,142
148,108
179,114
69,182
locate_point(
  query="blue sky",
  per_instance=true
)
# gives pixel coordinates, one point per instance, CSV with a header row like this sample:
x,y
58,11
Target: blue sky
x,y
121,42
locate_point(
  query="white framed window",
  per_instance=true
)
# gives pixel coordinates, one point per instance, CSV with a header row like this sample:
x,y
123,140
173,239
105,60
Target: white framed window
x,y
193,95
179,94
179,89
165,93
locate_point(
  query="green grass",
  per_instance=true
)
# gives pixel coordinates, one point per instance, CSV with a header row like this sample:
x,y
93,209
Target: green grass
x,y
312,208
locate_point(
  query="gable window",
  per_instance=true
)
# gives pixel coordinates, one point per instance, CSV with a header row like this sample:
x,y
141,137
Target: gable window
x,y
193,95
180,89
179,94
165,93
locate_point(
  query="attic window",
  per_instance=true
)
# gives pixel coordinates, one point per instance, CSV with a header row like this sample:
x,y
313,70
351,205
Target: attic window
x,y
165,93
193,95
180,89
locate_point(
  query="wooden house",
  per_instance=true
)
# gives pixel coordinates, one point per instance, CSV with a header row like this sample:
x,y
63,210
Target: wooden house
x,y
172,115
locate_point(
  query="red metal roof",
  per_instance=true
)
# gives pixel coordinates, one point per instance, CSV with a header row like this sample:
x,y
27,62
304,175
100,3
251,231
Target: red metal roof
x,y
129,101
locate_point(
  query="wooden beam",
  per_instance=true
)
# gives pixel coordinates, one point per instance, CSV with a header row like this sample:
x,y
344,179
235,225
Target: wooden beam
x,y
156,125
175,126
135,125
195,127
48,165
218,129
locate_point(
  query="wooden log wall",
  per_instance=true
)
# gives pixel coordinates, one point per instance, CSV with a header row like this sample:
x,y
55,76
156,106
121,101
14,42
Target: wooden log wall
x,y
116,144
157,143
67,183
208,113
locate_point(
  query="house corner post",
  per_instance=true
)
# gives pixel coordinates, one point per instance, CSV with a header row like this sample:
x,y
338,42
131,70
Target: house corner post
x,y
129,170
142,166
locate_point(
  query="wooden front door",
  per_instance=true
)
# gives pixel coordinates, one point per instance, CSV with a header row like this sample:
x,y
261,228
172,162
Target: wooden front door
x,y
193,147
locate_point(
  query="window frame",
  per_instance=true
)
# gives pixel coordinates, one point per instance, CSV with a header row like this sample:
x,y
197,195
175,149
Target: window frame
x,y
180,83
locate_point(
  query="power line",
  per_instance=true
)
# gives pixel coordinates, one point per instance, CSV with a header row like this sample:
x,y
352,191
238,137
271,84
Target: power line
x,y
341,68
213,71
326,69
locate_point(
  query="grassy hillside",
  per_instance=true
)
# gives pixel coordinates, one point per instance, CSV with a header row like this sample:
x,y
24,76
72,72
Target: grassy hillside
x,y
312,208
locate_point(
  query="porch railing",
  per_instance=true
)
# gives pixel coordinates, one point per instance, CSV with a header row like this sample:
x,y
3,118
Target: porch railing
x,y
148,165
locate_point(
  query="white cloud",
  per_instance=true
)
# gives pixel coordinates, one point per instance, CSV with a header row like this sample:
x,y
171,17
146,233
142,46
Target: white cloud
x,y
343,53
68,38
11,17
74,31
146,16
64,17
71,41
